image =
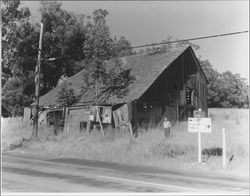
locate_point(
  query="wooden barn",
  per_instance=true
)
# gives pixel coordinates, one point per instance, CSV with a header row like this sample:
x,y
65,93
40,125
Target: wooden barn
x,y
168,84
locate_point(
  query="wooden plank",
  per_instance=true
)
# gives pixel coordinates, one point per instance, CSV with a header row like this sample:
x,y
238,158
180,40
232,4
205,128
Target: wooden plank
x,y
88,126
66,116
116,119
130,128
135,114
99,119
26,116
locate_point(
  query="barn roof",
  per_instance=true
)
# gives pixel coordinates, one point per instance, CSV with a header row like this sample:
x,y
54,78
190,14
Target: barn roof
x,y
144,68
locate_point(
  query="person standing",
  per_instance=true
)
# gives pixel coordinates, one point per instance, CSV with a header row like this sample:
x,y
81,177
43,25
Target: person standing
x,y
167,127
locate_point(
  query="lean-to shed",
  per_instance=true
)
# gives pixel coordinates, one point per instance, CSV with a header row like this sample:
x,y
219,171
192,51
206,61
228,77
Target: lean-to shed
x,y
168,84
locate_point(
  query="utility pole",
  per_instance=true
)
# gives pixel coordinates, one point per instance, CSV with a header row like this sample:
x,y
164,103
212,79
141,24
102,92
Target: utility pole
x,y
37,83
1,55
177,104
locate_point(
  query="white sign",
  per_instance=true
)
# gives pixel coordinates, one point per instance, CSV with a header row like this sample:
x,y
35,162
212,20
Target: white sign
x,y
91,117
202,125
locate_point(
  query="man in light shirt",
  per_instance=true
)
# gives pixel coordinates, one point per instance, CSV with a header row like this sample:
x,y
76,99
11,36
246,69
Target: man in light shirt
x,y
167,127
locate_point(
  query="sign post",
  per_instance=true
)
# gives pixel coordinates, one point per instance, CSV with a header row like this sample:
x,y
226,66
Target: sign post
x,y
199,125
199,147
224,152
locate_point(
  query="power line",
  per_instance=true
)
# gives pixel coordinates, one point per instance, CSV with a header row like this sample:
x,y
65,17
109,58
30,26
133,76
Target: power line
x,y
190,39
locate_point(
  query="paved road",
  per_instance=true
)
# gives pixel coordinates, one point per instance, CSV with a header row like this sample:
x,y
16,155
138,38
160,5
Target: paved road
x,y
36,173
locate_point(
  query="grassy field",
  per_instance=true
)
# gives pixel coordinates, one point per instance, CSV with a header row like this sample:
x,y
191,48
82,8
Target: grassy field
x,y
13,133
151,148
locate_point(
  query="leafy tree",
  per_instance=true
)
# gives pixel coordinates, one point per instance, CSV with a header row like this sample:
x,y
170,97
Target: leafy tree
x,y
66,95
233,90
15,79
213,83
98,48
13,98
15,26
225,89
118,79
123,47
64,35
98,44
67,37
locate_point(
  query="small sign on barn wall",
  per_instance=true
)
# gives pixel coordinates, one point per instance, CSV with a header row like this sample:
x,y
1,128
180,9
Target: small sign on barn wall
x,y
203,125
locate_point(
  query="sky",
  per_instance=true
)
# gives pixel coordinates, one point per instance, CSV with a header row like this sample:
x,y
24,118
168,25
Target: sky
x,y
145,22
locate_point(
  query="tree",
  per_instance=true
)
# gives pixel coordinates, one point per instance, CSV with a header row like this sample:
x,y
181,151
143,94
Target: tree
x,y
70,44
119,77
15,80
99,47
213,83
64,35
98,44
66,95
233,90
225,89
13,98
123,47
15,26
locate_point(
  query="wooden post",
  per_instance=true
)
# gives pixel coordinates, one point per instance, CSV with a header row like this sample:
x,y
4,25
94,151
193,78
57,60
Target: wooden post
x,y
199,147
224,151
99,119
88,126
177,105
37,81
199,139
55,123
63,115
1,55
66,121
130,128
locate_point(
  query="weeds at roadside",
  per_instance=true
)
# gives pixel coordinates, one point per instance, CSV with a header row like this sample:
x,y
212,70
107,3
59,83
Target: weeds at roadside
x,y
149,148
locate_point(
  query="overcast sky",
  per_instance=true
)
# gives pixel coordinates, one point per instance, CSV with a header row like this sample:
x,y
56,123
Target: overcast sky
x,y
143,22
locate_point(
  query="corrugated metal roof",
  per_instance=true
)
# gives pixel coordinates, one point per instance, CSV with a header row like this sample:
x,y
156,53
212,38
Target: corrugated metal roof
x,y
145,69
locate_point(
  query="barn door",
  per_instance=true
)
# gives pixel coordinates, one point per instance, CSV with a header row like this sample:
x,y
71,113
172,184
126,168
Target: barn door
x,y
74,123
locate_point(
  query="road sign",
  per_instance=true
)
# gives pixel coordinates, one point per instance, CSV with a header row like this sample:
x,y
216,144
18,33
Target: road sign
x,y
202,125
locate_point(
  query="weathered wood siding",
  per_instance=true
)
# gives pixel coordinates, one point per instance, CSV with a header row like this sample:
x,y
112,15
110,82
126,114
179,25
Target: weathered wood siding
x,y
27,116
170,90
74,117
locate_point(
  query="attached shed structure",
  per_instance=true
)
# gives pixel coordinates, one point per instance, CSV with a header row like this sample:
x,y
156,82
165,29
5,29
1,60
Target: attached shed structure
x,y
170,85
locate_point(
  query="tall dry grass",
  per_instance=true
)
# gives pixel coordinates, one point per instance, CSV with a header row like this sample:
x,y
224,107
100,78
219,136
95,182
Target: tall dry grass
x,y
152,148
14,133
